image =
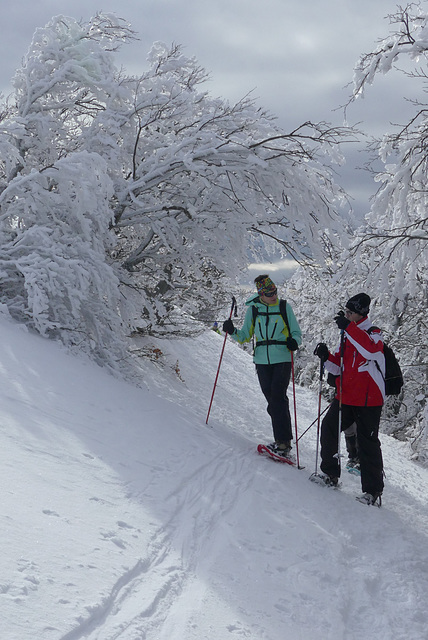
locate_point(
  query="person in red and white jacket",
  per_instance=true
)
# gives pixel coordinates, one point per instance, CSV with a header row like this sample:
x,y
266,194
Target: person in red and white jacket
x,y
360,398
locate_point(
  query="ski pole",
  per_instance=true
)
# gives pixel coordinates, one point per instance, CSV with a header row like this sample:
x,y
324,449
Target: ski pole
x,y
342,347
295,409
221,358
319,414
313,422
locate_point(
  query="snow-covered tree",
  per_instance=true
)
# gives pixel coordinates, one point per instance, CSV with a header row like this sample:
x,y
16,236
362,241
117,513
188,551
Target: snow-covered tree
x,y
55,201
53,237
202,185
398,218
390,252
106,178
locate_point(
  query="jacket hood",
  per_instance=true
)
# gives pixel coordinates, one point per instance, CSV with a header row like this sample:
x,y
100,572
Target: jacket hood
x,y
252,299
255,299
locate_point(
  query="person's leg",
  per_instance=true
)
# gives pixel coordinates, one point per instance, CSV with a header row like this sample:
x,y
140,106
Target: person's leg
x,y
351,443
329,437
279,404
369,448
274,380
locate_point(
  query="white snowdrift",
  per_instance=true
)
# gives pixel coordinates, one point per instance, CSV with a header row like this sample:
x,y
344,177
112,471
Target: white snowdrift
x,y
123,515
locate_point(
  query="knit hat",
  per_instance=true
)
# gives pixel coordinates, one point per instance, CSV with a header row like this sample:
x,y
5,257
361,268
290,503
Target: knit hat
x,y
359,304
265,285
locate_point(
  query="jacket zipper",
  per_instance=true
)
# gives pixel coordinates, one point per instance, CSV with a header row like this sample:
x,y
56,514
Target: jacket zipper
x,y
267,346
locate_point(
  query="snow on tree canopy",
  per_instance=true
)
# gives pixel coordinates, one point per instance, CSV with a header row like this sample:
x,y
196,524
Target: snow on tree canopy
x,y
166,192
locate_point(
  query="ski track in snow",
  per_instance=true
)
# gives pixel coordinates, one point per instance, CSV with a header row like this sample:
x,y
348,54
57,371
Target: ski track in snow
x,y
167,571
354,569
134,520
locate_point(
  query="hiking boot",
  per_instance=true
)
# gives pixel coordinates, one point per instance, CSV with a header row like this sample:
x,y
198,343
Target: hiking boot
x,y
284,447
330,481
353,464
370,499
324,479
280,448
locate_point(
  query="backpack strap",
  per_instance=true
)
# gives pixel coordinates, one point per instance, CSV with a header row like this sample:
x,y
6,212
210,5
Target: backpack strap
x,y
369,331
282,312
373,328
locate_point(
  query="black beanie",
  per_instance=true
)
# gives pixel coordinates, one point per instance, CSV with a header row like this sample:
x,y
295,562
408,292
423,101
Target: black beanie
x,y
359,304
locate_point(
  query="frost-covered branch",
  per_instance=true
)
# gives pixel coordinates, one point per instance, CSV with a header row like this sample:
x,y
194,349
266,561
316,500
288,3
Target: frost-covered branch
x,y
409,38
196,186
389,254
397,221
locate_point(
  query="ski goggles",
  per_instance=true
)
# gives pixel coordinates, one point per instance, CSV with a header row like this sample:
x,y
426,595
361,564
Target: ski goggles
x,y
270,294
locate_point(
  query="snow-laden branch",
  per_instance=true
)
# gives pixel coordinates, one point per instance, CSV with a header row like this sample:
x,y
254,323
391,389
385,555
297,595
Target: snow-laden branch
x,y
196,186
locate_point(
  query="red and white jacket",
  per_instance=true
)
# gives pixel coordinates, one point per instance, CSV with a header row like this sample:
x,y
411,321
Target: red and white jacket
x,y
363,366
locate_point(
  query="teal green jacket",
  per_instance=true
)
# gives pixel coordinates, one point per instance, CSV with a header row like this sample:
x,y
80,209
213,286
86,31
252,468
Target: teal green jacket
x,y
268,327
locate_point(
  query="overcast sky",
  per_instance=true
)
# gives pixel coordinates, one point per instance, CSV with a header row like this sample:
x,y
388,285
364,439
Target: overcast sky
x,y
296,57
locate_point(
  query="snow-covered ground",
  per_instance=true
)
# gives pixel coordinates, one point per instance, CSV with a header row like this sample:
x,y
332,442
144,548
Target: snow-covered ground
x,y
123,515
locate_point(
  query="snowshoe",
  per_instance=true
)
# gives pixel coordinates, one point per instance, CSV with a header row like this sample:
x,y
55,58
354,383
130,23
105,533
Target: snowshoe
x,y
280,448
370,499
353,466
324,480
280,455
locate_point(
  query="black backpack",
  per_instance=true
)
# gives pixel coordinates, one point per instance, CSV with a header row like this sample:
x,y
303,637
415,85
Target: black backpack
x,y
393,375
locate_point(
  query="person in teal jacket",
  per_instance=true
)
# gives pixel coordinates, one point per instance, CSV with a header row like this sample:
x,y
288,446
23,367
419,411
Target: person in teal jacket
x,y
275,339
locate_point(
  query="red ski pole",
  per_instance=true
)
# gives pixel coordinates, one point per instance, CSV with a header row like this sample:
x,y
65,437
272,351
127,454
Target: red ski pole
x,y
221,358
295,410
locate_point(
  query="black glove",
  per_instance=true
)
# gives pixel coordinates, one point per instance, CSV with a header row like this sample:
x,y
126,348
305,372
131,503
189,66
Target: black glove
x,y
341,321
321,350
228,326
291,344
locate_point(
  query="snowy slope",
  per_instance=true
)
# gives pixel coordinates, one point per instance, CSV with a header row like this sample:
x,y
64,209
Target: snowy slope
x,y
123,515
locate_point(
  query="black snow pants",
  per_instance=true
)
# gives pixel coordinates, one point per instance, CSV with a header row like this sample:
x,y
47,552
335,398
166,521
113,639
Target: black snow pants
x,y
274,380
369,449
